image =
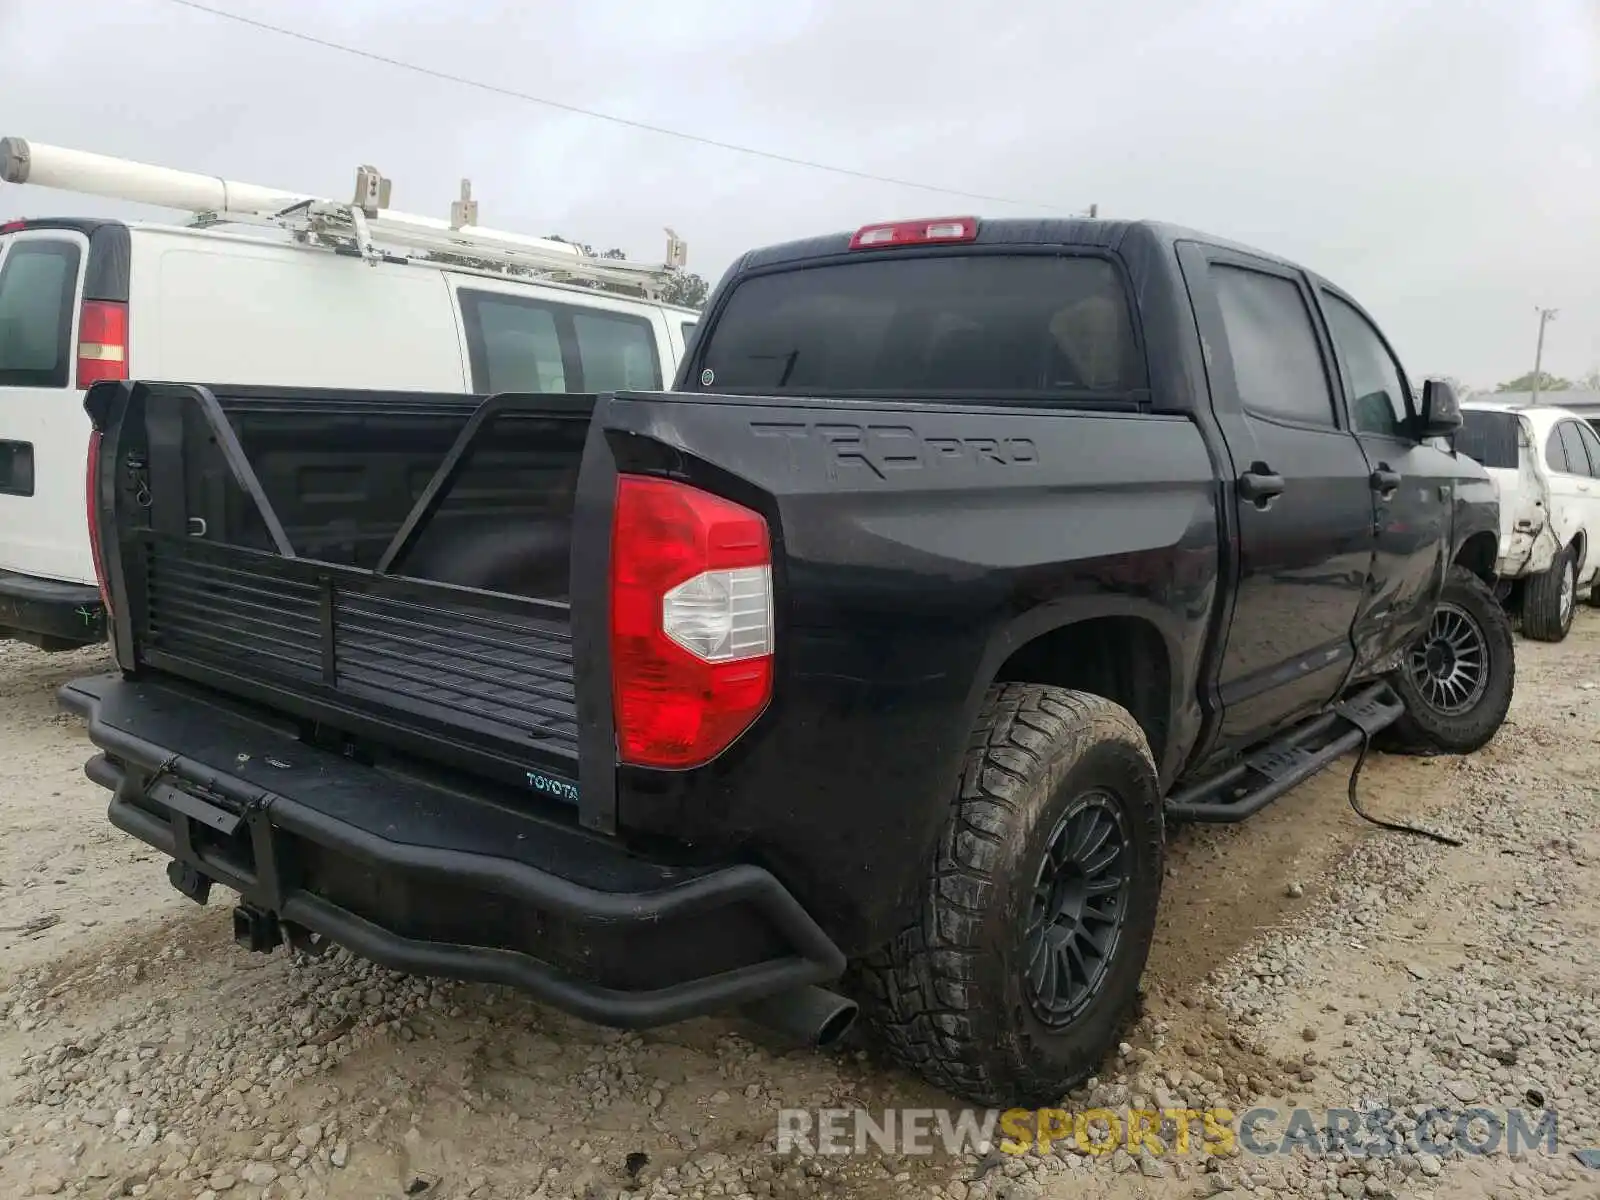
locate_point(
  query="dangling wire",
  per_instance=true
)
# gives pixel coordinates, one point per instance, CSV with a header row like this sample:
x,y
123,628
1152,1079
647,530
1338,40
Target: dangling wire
x,y
1355,803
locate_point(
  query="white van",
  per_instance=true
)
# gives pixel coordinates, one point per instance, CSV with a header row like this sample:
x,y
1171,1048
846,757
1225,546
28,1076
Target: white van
x,y
84,300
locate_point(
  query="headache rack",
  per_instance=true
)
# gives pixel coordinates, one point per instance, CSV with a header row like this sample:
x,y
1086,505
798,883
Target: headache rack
x,y
364,226
479,678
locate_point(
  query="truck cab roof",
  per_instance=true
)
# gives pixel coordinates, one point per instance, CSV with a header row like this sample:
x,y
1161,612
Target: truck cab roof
x,y
1127,237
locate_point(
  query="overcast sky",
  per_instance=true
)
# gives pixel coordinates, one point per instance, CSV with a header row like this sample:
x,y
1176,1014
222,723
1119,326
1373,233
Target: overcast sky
x,y
1440,160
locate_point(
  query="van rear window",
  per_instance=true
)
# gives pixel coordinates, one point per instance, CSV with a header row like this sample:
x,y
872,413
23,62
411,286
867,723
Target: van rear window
x,y
1022,325
1489,437
38,287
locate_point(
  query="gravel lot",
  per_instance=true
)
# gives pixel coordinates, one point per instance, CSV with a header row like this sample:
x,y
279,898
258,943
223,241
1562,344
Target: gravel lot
x,y
1305,958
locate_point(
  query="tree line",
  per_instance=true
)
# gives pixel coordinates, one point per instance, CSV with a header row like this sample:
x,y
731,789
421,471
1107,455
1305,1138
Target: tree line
x,y
1589,381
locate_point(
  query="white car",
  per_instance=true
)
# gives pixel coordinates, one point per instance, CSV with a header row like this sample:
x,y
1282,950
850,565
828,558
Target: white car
x,y
1545,461
310,293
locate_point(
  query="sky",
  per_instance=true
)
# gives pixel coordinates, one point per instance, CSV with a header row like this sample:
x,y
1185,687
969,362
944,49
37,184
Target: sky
x,y
1441,160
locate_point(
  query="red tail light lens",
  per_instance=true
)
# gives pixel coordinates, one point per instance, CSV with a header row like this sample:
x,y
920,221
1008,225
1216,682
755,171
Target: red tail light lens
x,y
90,495
691,622
102,342
915,233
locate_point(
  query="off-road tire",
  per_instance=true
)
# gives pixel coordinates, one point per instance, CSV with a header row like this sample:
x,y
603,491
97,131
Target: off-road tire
x,y
946,996
1425,730
1542,619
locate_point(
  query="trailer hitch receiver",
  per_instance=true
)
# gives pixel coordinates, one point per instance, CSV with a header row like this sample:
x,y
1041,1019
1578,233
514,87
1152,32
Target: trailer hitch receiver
x,y
255,930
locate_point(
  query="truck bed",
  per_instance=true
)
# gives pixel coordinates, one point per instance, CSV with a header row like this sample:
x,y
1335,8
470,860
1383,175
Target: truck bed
x,y
393,573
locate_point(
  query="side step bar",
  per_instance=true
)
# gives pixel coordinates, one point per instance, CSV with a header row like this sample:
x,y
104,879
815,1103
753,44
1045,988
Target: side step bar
x,y
1288,760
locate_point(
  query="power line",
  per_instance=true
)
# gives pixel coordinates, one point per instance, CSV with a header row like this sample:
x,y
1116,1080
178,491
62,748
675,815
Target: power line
x,y
511,93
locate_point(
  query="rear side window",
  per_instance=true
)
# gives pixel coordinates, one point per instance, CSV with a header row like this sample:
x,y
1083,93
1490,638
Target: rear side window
x,y
1276,363
1011,325
517,344
1591,443
1555,455
615,353
38,287
1566,443
1489,438
519,348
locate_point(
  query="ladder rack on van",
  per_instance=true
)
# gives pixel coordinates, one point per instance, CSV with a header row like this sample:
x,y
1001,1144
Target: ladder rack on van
x,y
364,225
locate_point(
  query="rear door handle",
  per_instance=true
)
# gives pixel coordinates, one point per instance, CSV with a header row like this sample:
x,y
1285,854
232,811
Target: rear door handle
x,y
1260,486
1384,481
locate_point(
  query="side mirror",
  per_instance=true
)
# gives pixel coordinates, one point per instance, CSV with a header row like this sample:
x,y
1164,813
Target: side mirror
x,y
1441,411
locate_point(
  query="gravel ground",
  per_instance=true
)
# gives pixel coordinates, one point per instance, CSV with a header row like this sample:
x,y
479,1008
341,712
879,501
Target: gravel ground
x,y
1305,959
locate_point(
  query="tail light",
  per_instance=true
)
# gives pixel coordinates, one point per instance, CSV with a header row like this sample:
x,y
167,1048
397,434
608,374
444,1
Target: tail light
x,y
102,342
90,496
691,622
915,233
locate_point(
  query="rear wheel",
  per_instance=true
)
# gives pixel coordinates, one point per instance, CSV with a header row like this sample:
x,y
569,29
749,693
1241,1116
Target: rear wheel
x,y
1456,682
1550,599
1022,966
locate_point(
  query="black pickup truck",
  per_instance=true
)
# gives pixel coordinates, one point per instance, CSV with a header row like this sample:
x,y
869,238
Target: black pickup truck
x,y
867,667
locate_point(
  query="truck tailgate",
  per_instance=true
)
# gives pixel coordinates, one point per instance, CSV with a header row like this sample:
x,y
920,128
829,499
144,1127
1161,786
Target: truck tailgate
x,y
495,672
392,567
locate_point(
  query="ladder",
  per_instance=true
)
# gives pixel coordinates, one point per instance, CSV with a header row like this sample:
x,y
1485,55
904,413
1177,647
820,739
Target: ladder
x,y
364,225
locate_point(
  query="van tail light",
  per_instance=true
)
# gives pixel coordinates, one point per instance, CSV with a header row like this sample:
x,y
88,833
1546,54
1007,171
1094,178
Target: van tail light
x,y
691,622
90,496
102,342
915,233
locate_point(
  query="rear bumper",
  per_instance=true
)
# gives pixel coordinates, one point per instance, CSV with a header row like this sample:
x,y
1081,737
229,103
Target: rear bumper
x,y
49,613
437,881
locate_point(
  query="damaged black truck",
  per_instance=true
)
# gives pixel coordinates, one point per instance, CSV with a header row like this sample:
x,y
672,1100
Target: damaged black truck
x,y
867,667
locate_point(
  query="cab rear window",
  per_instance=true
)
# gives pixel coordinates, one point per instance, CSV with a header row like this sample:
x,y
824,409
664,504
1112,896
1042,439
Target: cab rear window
x,y
1024,325
38,285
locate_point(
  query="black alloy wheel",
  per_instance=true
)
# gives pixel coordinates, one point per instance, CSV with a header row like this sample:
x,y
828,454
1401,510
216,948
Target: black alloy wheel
x,y
1080,899
1457,679
1450,665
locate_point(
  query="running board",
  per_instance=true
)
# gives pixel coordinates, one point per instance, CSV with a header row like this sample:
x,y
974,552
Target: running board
x,y
1288,760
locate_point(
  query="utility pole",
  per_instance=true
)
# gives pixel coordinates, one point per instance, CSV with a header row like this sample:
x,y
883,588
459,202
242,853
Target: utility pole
x,y
1546,315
